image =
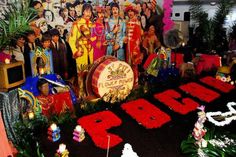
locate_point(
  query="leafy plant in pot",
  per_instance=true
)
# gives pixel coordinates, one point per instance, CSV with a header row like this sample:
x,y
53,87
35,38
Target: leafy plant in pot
x,y
15,23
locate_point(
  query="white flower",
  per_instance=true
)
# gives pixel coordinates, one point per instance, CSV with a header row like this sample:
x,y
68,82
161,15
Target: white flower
x,y
204,143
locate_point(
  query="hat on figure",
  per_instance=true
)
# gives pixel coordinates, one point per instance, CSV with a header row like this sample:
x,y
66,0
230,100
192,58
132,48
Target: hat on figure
x,y
131,8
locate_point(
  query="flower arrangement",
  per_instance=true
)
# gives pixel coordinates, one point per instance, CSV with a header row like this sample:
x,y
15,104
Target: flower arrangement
x,y
204,142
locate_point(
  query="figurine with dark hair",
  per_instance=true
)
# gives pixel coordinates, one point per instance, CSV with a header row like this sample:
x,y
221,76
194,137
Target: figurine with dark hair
x,y
31,44
59,54
80,41
115,33
18,49
45,41
98,31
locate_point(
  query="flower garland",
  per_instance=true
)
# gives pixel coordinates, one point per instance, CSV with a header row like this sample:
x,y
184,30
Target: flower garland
x,y
97,125
224,118
200,92
217,84
145,113
169,97
168,23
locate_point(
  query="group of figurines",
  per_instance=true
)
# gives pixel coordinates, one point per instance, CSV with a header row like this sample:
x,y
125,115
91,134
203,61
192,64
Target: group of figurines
x,y
78,33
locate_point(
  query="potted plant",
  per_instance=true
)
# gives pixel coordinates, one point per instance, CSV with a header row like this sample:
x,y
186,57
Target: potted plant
x,y
15,22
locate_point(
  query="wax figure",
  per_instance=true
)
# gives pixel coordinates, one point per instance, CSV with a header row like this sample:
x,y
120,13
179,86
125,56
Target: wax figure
x,y
115,33
80,37
31,44
98,31
17,49
133,40
80,41
59,54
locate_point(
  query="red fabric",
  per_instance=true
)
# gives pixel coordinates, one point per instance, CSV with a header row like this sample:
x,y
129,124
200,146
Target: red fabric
x,y
4,56
149,60
133,55
169,97
97,124
217,84
200,92
146,113
179,59
5,148
55,104
207,63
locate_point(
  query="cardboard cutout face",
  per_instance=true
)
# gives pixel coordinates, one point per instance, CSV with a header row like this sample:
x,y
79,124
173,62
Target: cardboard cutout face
x,y
48,15
56,9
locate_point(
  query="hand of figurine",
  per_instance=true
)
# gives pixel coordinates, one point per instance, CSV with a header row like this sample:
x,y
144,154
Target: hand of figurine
x,y
77,54
116,47
116,29
105,43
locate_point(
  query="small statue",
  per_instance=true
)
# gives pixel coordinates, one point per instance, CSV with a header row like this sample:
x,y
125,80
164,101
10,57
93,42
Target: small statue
x,y
199,131
128,151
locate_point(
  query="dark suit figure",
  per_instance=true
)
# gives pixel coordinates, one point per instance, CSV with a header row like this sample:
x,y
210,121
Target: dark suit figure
x,y
59,54
30,46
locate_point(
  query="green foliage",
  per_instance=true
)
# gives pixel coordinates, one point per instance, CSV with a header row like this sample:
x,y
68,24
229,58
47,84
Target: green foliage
x,y
15,23
211,29
190,148
65,117
28,131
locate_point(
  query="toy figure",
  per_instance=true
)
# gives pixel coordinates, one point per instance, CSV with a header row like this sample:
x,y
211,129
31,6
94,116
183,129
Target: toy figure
x,y
98,31
133,39
115,33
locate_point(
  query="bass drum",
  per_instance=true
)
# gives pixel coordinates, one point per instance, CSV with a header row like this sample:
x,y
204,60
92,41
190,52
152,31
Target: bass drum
x,y
91,76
